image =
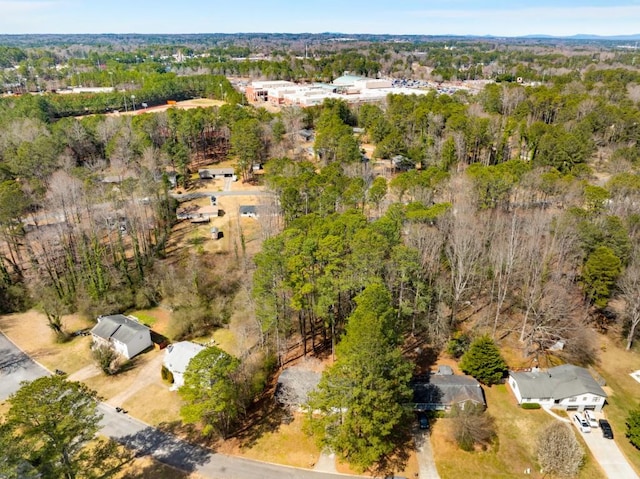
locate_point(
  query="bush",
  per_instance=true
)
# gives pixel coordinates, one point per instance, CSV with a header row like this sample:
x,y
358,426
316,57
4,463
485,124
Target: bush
x,y
458,345
110,362
471,426
530,405
166,375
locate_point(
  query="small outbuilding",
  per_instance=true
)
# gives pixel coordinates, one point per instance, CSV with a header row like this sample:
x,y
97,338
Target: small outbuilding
x,y
124,334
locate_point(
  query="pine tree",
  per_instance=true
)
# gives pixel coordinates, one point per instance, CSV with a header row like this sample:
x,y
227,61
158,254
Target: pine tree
x,y
633,428
360,397
483,361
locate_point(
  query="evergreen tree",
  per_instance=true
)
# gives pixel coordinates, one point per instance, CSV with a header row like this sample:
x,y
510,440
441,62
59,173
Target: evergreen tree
x,y
599,275
48,426
633,428
483,361
360,397
210,391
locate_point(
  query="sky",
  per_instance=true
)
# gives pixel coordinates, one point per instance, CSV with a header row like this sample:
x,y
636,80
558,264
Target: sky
x,y
420,17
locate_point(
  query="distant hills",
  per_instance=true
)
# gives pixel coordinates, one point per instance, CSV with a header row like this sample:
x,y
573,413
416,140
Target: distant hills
x,y
588,36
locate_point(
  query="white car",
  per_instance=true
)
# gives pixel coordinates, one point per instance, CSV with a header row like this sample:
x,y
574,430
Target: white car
x,y
582,424
590,418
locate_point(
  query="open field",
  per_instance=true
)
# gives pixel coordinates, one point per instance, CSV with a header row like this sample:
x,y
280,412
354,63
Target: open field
x,y
182,105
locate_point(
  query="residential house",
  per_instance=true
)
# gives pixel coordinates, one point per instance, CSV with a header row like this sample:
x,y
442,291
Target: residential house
x,y
177,357
198,214
566,387
248,211
125,334
217,173
442,390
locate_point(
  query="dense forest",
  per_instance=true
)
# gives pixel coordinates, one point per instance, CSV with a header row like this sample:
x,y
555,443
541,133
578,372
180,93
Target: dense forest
x,y
514,216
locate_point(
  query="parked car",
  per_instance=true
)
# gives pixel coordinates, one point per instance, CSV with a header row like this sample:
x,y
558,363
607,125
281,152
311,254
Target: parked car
x,y
582,424
423,421
605,427
590,418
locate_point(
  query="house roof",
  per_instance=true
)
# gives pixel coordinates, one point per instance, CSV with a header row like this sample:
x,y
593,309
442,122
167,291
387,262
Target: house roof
x,y
248,209
178,355
560,382
447,389
118,327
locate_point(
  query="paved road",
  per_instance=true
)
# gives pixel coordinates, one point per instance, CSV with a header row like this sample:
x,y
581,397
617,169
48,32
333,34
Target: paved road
x,y
15,366
608,454
202,194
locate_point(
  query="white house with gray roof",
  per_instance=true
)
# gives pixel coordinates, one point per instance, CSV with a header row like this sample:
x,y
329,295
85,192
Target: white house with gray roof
x,y
566,387
177,357
124,334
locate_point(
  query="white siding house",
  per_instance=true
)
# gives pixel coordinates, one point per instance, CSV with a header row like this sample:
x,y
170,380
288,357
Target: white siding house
x,y
177,357
565,387
124,334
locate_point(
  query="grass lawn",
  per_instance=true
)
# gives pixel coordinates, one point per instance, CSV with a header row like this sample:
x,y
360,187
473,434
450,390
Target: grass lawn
x,y
514,451
32,334
624,392
288,444
147,468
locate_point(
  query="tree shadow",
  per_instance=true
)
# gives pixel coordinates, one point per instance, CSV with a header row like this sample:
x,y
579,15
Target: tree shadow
x,y
398,459
166,448
156,470
266,416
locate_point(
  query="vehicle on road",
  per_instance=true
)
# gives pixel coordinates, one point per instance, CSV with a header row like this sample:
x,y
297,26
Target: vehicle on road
x,y
605,427
590,418
582,424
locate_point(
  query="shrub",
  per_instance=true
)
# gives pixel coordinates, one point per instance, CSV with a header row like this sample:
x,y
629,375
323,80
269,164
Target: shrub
x,y
530,405
471,426
458,345
110,362
166,375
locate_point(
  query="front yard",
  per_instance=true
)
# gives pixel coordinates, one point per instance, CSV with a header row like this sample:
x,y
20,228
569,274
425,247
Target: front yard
x,y
514,450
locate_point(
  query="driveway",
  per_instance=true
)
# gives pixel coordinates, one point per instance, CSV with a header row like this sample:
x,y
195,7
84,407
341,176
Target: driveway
x,y
607,454
424,453
15,367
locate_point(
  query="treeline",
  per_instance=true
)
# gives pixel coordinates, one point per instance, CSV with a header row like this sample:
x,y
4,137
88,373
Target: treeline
x,y
154,89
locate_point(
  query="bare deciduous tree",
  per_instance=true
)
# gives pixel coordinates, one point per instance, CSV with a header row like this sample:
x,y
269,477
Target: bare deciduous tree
x,y
558,450
629,284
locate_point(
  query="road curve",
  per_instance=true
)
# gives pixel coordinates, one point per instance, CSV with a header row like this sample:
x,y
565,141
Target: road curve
x,y
17,366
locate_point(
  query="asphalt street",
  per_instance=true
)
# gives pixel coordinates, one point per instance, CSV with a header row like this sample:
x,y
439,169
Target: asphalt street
x,y
15,367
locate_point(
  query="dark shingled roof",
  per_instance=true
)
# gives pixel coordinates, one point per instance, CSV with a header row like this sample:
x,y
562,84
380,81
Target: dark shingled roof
x,y
560,382
119,327
446,390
